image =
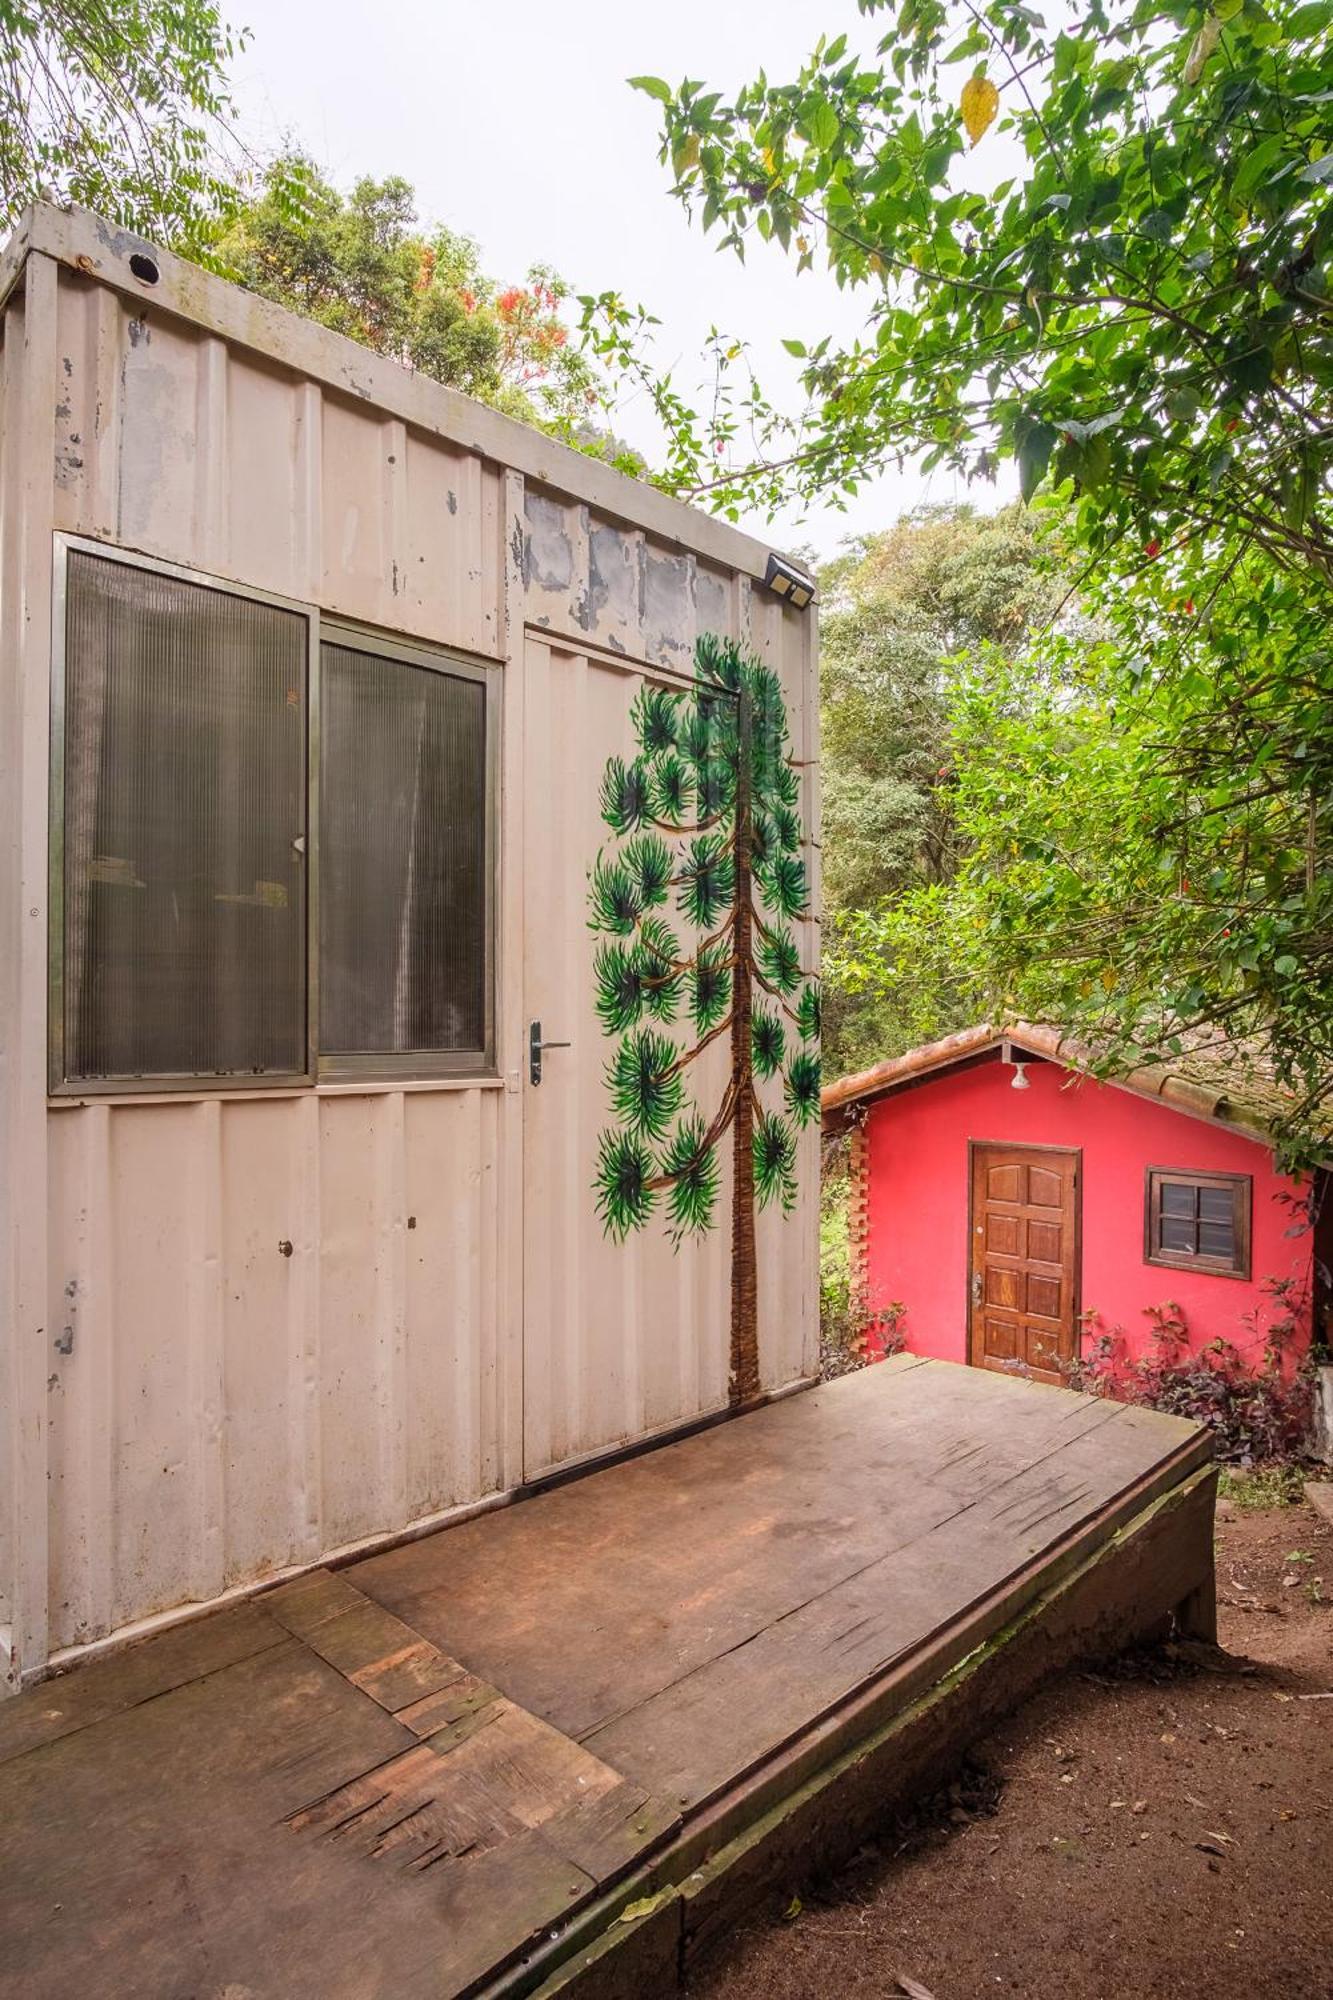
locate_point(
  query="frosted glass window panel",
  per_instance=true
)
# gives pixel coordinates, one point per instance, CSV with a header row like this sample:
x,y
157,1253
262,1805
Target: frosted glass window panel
x,y
403,895
184,812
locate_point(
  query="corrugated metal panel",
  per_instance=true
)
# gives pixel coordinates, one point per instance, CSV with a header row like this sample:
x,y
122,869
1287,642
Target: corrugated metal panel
x,y
788,1245
620,1339
171,442
273,1336
27,470
279,1323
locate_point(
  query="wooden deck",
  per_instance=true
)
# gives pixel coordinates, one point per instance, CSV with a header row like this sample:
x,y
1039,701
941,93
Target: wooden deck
x,y
557,1746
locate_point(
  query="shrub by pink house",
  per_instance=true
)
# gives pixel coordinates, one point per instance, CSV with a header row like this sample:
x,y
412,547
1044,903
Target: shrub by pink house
x,y
1008,1208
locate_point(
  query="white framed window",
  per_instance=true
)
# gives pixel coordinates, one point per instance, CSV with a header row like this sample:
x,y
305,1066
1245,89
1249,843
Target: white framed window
x,y
273,839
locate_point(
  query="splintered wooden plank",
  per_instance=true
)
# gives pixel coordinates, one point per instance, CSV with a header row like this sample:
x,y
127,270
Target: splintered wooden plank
x,y
712,1726
386,1659
447,1707
652,1568
453,1797
269,1829
120,1681
148,1854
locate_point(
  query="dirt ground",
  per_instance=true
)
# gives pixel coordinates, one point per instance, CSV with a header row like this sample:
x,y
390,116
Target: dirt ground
x,y
1162,1830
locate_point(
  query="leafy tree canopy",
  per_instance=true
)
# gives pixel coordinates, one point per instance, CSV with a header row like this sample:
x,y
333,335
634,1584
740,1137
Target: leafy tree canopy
x,y
118,107
1143,309
1139,316
910,616
363,265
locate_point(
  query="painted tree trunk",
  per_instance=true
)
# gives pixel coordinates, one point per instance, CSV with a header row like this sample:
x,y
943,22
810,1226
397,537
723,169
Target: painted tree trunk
x,y
744,1386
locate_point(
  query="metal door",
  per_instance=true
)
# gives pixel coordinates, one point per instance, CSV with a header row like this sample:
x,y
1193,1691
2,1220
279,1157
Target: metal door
x,y
622,1338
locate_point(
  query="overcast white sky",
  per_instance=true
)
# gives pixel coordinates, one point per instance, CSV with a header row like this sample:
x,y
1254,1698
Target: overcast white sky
x,y
515,124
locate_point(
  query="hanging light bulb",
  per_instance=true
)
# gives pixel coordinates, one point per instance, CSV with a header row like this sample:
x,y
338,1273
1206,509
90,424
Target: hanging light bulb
x,y
1020,1081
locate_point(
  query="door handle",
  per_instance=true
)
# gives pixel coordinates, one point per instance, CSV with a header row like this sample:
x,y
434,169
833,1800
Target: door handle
x,y
976,1288
535,1047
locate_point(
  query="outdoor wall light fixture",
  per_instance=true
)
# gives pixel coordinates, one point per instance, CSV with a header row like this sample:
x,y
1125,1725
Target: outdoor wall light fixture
x,y
1020,1063
790,583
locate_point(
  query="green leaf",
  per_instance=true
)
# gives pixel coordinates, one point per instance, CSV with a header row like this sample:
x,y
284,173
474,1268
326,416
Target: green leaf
x,y
626,795
1035,443
652,86
782,884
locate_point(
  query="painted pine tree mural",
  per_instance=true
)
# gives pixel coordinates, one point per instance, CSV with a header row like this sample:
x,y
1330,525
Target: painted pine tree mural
x,y
694,900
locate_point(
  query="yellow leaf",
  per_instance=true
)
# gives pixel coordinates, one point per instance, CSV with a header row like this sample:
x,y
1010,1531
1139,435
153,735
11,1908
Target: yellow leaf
x,y
1202,47
686,154
645,1906
979,103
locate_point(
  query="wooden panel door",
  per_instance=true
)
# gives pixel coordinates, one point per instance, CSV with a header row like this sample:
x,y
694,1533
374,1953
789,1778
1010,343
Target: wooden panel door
x,y
1025,1252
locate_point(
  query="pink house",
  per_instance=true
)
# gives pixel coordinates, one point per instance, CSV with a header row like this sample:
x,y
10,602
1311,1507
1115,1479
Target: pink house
x,y
1007,1207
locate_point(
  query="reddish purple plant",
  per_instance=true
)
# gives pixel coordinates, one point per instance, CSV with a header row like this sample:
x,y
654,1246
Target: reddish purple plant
x,y
1254,1412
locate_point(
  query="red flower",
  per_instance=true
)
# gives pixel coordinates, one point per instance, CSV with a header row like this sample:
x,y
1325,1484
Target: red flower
x,y
468,300
1153,548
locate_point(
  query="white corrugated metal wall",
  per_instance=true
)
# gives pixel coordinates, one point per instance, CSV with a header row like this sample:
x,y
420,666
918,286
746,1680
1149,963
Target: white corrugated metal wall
x,y
281,1322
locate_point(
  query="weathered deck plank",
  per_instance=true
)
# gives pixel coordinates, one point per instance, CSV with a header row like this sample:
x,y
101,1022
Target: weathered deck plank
x,y
653,1570
429,1772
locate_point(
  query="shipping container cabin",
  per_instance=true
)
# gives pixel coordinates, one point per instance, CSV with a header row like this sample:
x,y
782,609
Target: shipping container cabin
x,y
320,688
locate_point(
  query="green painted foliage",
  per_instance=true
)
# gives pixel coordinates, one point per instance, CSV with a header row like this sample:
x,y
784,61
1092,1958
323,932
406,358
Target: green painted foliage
x,y
710,988
623,1183
801,1088
644,1084
707,880
807,1014
690,1167
768,1042
774,1161
626,795
665,991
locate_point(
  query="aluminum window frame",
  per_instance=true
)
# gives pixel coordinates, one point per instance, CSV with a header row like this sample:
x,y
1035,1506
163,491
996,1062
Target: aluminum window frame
x,y
424,1066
